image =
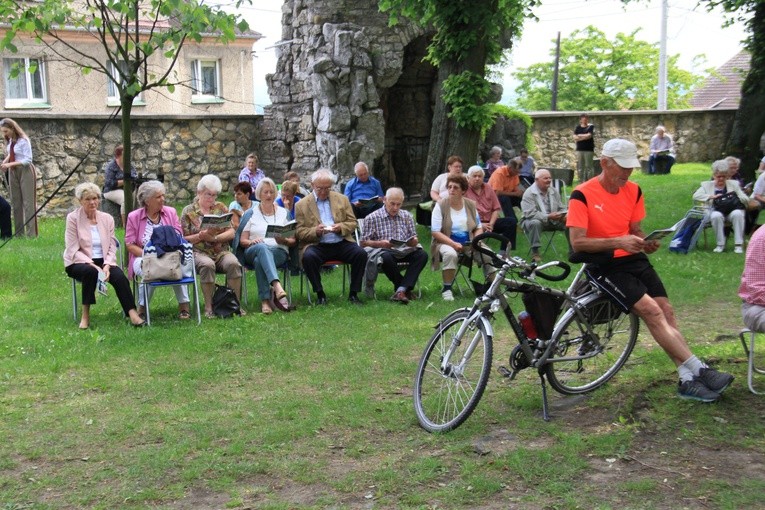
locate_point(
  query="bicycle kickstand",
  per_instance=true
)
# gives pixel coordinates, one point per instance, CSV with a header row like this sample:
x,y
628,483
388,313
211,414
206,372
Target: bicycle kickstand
x,y
545,411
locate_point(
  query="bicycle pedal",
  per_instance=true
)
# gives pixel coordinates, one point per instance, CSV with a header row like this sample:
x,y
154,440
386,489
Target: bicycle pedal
x,y
505,372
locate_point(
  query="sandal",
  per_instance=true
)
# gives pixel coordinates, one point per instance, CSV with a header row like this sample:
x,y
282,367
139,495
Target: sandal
x,y
282,303
184,315
210,314
266,309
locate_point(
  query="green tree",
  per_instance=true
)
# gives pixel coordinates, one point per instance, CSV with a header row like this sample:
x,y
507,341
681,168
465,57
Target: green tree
x,y
469,36
749,123
599,74
129,33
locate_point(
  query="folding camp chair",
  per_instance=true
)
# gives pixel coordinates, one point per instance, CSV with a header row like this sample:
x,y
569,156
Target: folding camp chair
x,y
749,350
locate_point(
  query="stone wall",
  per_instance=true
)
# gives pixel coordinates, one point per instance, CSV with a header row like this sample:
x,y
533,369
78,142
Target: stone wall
x,y
185,148
181,148
699,135
338,58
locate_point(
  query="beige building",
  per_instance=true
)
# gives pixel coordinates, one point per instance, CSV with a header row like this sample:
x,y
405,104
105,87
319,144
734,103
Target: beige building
x,y
211,77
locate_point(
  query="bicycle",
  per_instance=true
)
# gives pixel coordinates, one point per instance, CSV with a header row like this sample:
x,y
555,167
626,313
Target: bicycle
x,y
587,345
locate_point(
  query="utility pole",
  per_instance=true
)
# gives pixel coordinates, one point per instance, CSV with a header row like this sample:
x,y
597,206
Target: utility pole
x,y
554,103
662,92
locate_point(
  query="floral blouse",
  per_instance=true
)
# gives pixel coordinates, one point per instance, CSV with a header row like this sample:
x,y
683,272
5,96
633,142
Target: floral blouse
x,y
191,218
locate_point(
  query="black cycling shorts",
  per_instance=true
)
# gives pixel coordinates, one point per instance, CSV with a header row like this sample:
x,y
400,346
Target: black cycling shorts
x,y
627,279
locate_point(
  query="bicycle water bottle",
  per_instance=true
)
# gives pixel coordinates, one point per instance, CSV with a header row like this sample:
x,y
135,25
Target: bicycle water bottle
x,y
527,323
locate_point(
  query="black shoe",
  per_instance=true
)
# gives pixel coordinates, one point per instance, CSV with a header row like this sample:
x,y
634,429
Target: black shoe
x,y
714,380
695,390
353,298
321,300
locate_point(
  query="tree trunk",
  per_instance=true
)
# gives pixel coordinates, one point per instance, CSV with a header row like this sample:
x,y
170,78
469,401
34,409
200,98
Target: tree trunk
x,y
127,178
446,138
749,123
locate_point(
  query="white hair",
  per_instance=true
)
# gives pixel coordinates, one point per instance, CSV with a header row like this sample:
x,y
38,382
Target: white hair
x,y
359,165
496,150
394,191
209,182
323,173
475,169
86,188
720,167
148,190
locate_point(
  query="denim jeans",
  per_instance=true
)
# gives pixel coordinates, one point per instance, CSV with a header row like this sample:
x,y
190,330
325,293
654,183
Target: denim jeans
x,y
264,259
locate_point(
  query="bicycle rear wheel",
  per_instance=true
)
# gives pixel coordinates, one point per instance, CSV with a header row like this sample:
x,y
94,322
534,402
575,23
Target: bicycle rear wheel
x,y
444,399
613,336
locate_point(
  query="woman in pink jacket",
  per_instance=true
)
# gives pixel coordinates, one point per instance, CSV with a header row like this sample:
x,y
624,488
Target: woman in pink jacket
x,y
140,225
90,254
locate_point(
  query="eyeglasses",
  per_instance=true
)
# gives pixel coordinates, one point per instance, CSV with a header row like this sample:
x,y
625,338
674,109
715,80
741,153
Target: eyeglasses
x,y
209,194
322,188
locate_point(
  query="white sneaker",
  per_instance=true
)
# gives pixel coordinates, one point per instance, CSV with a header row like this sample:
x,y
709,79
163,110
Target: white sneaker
x,y
718,249
447,295
738,249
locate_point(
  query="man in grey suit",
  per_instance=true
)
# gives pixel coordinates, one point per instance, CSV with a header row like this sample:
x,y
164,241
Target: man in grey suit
x,y
542,210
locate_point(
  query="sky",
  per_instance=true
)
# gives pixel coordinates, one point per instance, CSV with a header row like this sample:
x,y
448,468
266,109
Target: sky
x,y
691,31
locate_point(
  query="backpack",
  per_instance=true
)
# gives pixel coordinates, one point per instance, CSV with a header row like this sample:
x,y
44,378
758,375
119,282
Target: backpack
x,y
224,302
685,238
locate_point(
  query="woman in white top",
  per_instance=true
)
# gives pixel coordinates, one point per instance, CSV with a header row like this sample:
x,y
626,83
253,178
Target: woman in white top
x,y
455,222
454,166
265,254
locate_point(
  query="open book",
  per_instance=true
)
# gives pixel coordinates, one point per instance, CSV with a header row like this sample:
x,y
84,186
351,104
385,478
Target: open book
x,y
216,221
287,230
367,201
398,243
662,233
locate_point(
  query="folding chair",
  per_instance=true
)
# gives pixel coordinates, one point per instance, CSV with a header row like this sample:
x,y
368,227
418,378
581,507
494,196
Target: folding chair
x,y
188,280
548,236
749,350
75,281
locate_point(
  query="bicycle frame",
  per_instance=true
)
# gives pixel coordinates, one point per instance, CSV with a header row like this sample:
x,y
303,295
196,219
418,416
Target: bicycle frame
x,y
583,330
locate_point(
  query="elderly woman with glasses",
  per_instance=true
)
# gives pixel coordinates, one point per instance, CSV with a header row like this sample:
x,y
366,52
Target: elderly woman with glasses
x,y
140,226
454,223
211,245
90,254
264,254
716,188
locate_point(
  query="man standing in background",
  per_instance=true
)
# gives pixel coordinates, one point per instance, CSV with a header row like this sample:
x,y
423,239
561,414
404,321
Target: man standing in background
x,y
585,148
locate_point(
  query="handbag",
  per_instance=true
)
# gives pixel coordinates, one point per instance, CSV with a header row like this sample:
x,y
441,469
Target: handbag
x,y
727,203
166,267
224,302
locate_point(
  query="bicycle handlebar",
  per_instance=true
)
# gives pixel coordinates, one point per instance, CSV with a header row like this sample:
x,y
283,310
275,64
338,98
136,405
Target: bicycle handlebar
x,y
529,270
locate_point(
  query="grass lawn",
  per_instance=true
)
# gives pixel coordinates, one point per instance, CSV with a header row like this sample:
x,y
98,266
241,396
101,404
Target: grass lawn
x,y
313,409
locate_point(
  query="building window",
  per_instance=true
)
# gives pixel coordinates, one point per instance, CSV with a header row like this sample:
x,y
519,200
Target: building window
x,y
112,85
24,82
205,80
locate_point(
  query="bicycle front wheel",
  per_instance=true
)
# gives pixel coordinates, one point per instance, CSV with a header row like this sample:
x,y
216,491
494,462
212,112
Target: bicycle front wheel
x,y
602,349
445,397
